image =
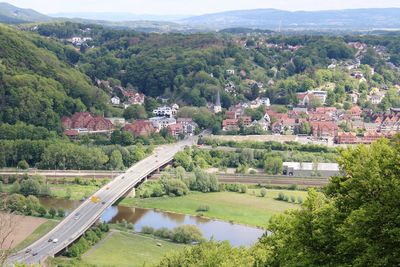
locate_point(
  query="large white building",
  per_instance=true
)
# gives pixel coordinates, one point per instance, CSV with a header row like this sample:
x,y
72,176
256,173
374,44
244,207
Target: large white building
x,y
162,122
166,111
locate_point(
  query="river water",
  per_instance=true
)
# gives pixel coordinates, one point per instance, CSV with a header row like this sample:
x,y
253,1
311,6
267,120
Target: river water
x,y
236,234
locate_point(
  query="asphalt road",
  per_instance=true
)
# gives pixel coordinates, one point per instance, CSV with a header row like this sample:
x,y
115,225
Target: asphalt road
x,y
73,226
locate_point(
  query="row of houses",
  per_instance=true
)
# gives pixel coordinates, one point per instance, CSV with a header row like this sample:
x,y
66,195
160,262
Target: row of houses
x,y
85,122
176,127
320,122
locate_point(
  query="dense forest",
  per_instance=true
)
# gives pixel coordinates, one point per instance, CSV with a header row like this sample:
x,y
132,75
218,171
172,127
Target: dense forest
x,y
191,68
38,84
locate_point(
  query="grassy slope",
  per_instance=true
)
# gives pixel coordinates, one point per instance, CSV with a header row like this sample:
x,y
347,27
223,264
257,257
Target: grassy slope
x,y
242,208
39,232
126,249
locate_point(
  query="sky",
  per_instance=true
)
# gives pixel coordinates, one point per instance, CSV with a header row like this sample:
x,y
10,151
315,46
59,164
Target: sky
x,y
191,7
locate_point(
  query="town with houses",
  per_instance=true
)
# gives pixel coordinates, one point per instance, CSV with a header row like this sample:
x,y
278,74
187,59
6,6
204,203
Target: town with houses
x,y
351,126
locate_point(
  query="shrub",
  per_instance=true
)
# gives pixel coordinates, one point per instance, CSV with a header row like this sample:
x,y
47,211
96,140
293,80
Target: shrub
x,y
42,211
12,179
15,187
299,199
292,187
60,212
263,192
281,196
203,208
23,165
286,198
68,193
147,230
176,187
163,233
243,189
187,234
45,190
52,212
30,187
293,199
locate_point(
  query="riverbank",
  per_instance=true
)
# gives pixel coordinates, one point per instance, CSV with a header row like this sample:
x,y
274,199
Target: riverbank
x,y
249,208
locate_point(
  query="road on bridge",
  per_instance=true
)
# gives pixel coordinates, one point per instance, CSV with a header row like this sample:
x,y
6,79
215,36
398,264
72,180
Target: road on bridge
x,y
76,223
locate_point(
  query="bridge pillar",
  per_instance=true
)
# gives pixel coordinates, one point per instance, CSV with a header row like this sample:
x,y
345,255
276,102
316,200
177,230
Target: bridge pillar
x,y
132,193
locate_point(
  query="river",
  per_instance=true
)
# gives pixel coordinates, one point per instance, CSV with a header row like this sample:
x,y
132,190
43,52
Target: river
x,y
236,234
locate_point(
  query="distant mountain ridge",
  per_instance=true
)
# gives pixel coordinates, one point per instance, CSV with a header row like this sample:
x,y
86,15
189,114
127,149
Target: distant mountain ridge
x,y
10,14
262,19
118,16
273,19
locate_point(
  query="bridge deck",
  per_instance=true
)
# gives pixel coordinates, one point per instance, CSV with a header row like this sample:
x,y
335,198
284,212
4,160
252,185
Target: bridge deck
x,y
72,227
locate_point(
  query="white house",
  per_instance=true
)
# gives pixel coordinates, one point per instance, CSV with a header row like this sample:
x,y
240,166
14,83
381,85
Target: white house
x,y
162,122
115,100
265,101
305,98
165,111
230,72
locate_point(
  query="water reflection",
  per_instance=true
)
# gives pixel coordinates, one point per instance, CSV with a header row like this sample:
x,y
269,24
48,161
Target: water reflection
x,y
238,235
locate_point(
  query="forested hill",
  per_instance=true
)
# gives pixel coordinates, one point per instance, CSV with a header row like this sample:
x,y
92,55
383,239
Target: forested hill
x,y
38,83
13,15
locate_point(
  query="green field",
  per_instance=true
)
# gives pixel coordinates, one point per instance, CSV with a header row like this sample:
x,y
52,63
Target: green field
x,y
38,233
127,249
246,208
60,190
77,191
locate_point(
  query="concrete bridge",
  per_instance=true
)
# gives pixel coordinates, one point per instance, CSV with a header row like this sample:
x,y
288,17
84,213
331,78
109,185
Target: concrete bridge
x,y
74,225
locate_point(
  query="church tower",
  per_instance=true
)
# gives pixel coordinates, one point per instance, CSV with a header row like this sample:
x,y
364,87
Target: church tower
x,y
217,106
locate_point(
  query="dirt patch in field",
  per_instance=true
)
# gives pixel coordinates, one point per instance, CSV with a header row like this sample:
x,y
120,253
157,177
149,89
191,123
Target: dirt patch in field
x,y
24,226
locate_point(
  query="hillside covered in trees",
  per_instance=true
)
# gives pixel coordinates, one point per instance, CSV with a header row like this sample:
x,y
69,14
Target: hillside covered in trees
x,y
191,68
38,82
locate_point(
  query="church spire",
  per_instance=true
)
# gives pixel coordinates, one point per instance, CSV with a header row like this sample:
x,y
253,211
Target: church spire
x,y
218,101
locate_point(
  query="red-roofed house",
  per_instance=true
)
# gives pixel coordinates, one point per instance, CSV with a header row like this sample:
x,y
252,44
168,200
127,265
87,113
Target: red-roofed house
x,y
346,138
323,128
66,122
283,125
230,124
80,120
99,124
140,128
84,121
324,110
355,112
71,133
370,137
231,114
136,99
175,129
